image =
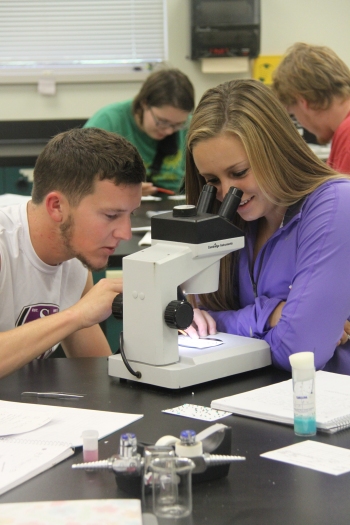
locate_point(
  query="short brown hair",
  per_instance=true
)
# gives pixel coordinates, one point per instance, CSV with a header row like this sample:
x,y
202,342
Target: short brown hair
x,y
72,161
314,73
166,87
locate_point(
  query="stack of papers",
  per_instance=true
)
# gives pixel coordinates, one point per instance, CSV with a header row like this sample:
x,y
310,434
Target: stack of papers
x,y
37,437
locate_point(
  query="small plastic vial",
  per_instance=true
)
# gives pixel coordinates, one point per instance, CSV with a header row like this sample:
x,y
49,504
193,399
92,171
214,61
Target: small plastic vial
x,y
187,445
90,445
303,375
128,445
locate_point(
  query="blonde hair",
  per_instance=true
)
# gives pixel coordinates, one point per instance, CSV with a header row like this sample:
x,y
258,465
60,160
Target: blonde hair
x,y
285,168
314,73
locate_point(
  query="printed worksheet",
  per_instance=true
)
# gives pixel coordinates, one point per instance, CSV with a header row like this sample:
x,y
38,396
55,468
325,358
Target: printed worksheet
x,y
314,455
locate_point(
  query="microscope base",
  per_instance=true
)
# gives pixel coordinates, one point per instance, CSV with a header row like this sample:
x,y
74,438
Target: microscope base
x,y
238,354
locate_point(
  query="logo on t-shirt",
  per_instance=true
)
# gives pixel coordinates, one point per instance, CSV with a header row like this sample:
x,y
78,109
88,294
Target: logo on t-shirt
x,y
37,311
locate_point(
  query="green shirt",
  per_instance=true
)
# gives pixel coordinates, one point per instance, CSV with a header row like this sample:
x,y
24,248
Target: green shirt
x,y
118,118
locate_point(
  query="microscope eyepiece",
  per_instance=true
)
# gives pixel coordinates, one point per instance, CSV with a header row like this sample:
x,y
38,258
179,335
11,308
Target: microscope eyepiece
x,y
230,203
206,199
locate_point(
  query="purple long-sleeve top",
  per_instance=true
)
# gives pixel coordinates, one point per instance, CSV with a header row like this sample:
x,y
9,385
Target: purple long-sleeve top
x,y
307,264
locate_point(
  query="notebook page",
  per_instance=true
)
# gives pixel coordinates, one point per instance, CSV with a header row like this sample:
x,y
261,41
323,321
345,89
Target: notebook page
x,y
18,423
22,459
275,402
67,424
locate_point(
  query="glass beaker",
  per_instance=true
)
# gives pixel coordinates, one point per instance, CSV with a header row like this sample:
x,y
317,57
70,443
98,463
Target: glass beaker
x,y
151,452
172,487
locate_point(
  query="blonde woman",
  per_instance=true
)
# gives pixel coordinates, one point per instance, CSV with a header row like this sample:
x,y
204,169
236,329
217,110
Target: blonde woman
x,y
290,284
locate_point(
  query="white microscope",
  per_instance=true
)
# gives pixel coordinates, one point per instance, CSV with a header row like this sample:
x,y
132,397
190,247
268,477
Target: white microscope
x,y
187,245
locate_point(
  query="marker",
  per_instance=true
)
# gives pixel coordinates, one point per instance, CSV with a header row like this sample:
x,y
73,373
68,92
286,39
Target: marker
x,y
163,190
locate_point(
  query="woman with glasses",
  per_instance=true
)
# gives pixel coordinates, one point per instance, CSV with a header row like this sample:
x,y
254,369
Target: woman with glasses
x,y
155,122
290,284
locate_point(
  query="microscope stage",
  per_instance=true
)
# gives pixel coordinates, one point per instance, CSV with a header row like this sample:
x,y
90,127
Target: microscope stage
x,y
237,354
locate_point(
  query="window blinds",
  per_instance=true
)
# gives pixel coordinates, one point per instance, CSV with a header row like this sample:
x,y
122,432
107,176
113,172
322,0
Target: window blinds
x,y
80,36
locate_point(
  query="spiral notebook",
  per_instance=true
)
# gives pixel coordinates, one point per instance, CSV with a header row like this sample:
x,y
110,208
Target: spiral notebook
x,y
275,402
22,459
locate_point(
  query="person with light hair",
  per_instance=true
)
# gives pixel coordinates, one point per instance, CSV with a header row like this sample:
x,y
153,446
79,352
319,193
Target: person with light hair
x,y
313,83
290,284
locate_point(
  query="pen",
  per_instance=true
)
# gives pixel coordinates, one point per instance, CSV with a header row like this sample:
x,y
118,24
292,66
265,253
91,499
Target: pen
x,y
163,190
182,332
52,395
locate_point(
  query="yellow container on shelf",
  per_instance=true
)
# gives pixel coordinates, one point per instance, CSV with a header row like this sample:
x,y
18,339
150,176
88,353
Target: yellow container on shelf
x,y
264,66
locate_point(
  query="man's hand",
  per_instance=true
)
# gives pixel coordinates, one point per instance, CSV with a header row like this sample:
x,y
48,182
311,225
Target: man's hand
x,y
203,325
96,305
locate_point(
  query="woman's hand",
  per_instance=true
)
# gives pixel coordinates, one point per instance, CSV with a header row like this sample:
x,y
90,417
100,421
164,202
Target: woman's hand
x,y
203,324
276,314
148,189
346,334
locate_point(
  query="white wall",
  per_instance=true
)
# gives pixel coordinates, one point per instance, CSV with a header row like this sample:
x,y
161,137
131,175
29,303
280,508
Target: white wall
x,y
321,22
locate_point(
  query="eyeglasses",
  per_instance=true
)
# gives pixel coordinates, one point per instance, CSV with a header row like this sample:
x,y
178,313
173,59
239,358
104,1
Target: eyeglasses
x,y
165,124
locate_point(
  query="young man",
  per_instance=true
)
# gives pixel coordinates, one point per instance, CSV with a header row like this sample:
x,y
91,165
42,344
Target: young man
x,y
314,85
87,182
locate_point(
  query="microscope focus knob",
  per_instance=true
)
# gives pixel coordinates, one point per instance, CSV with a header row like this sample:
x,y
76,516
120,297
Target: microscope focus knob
x,y
178,314
117,306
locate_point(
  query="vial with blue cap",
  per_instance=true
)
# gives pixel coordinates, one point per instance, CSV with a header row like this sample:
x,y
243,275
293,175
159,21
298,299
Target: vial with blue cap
x,y
188,446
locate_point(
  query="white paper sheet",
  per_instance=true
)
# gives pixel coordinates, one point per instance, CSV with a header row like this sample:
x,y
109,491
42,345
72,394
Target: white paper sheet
x,y
146,240
67,424
147,198
18,422
141,229
314,455
202,342
176,197
22,459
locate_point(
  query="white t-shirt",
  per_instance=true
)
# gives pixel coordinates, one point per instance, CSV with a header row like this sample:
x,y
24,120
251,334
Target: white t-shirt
x,y
29,288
